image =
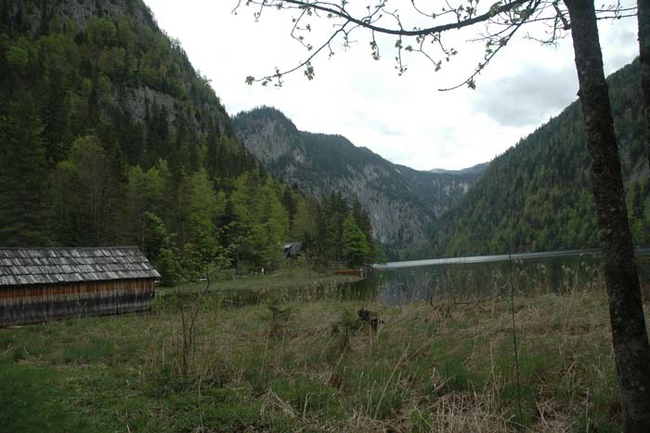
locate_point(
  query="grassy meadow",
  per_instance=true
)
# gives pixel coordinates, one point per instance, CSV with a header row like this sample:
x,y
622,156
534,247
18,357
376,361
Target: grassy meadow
x,y
302,360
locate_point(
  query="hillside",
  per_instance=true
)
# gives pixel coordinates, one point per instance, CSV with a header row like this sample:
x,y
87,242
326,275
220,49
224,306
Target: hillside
x,y
108,136
537,195
401,201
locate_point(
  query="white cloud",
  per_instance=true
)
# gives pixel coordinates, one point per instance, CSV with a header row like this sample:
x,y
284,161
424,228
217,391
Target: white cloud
x,y
529,97
404,119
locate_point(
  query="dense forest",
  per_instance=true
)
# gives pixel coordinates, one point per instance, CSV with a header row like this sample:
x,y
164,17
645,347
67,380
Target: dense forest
x,y
108,136
537,195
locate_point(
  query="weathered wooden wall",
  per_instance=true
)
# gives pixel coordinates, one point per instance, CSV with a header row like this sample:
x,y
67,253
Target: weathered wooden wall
x,y
39,303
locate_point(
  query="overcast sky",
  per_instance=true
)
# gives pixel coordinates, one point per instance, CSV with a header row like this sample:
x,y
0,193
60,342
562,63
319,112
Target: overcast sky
x,y
404,119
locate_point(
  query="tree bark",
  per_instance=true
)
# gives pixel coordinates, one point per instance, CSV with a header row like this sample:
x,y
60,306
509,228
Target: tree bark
x,y
644,57
629,334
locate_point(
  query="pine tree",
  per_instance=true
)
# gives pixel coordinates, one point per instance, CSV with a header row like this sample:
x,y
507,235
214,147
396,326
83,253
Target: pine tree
x,y
273,220
363,221
22,174
64,203
98,192
56,118
205,208
355,245
240,234
144,196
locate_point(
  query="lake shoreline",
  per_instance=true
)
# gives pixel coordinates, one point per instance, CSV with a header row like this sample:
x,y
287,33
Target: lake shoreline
x,y
286,278
497,258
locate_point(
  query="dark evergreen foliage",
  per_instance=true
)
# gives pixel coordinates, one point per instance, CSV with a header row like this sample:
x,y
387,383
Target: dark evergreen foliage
x,y
537,195
109,136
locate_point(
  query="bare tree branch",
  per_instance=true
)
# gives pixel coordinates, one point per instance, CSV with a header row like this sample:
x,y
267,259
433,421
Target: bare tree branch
x,y
340,12
505,16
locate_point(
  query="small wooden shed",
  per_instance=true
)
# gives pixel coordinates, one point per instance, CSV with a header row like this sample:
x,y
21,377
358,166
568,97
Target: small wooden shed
x,y
291,249
37,285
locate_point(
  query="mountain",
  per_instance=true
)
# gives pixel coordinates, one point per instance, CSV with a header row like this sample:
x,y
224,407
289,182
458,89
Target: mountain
x,y
478,168
141,69
401,201
89,90
537,195
109,136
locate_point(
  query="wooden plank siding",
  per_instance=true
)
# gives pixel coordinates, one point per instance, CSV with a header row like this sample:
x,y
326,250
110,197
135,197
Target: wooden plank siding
x,y
40,284
40,303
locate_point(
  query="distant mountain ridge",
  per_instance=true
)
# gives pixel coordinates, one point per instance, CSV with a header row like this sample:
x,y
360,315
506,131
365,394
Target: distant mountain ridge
x,y
537,196
402,202
478,168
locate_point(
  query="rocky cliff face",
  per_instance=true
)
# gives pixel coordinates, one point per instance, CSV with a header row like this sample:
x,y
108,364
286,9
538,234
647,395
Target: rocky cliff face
x,y
138,99
401,201
32,15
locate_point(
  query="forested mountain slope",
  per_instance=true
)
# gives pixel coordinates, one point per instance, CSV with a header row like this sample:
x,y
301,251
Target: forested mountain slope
x,y
109,136
401,201
537,195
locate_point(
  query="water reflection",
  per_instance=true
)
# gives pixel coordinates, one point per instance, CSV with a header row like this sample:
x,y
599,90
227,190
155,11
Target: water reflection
x,y
488,276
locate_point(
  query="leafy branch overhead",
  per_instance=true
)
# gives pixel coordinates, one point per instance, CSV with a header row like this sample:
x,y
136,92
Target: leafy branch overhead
x,y
418,28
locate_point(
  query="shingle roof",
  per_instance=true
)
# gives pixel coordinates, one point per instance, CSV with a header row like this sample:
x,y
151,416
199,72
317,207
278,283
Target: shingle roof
x,y
20,266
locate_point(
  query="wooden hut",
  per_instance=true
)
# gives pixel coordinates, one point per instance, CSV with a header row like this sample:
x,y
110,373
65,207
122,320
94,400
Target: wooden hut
x,y
37,285
291,250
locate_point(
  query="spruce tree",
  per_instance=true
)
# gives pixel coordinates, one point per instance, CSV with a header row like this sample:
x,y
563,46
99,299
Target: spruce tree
x,y
355,245
22,174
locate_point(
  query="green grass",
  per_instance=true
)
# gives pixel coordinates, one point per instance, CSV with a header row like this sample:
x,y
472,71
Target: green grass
x,y
35,399
316,368
287,278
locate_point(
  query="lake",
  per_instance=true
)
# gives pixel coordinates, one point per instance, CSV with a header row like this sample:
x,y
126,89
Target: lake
x,y
399,283
476,278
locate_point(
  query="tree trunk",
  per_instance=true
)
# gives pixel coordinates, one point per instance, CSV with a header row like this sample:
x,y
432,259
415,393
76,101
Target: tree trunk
x,y
629,334
644,57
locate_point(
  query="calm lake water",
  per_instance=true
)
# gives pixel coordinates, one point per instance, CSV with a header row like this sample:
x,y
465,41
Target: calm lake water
x,y
399,283
480,277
